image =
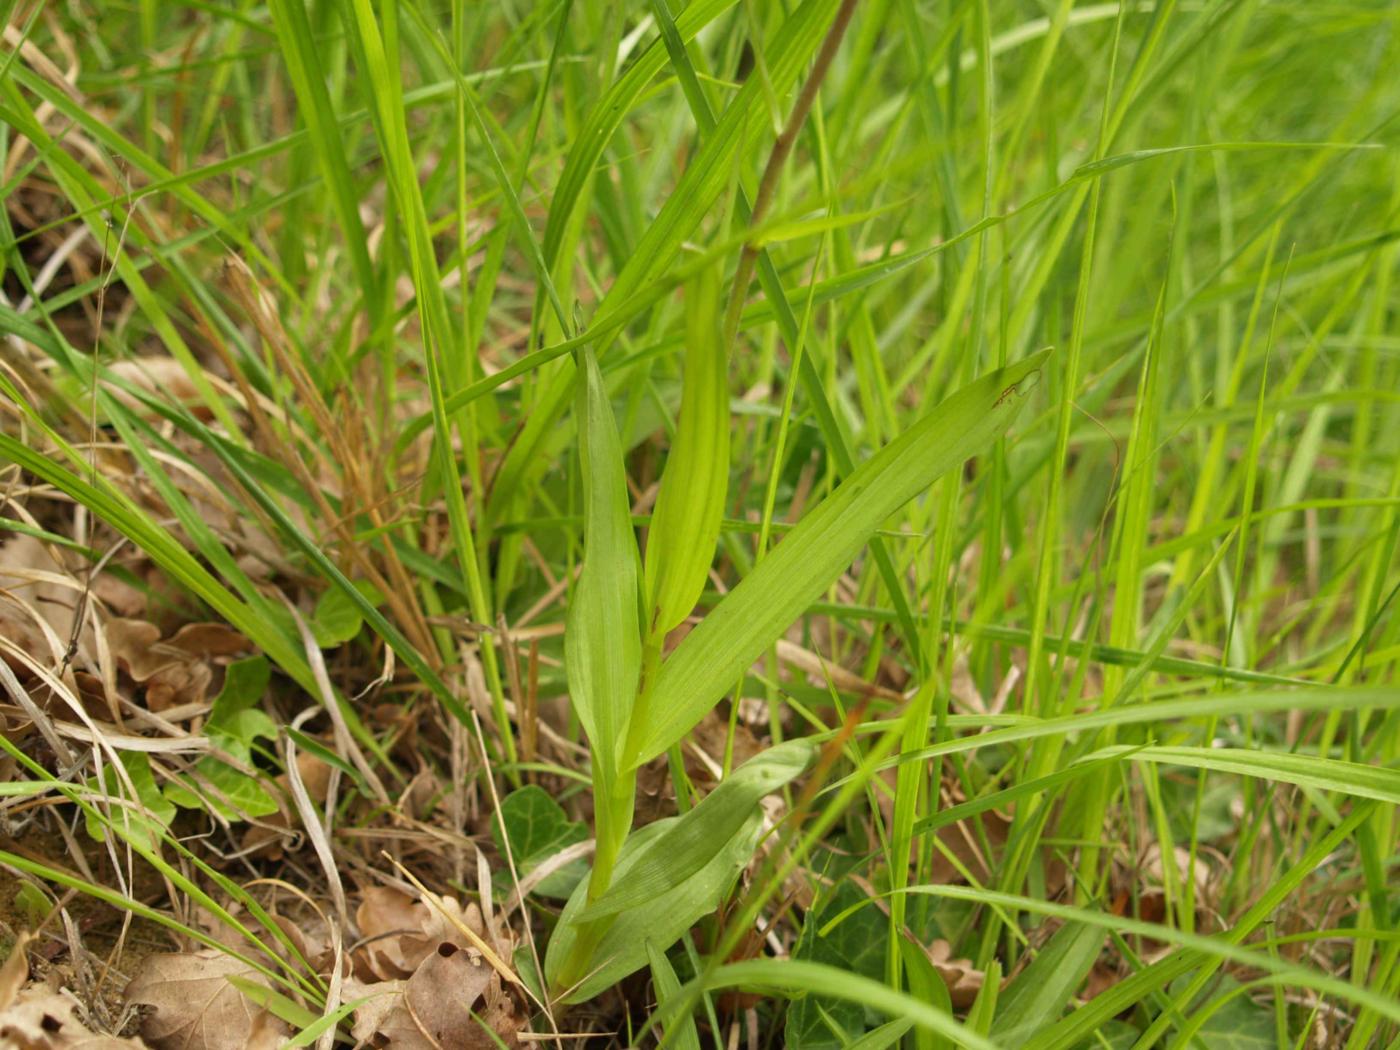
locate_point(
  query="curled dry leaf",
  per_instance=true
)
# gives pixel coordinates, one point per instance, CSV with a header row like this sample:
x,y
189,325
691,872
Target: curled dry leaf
x,y
963,979
177,670
154,374
449,1001
197,1008
423,978
400,932
267,837
38,597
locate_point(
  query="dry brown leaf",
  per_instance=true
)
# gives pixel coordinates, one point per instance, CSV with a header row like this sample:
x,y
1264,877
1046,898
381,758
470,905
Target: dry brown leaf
x,y
177,670
196,1008
433,1009
402,932
155,374
39,1017
963,979
42,1019
37,597
15,970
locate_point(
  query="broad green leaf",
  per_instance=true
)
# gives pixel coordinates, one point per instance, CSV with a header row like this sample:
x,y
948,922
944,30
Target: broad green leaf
x,y
219,786
857,944
538,828
622,948
834,1028
682,1033
1037,996
31,906
1227,1018
234,725
689,843
690,502
245,682
753,615
1328,774
337,619
237,732
602,643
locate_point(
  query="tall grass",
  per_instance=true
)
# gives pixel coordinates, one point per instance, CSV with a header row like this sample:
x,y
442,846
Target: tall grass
x,y
985,414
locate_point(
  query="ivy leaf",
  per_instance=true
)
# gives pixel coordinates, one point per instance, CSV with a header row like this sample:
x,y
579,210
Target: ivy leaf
x,y
538,828
234,726
1239,1024
337,619
857,944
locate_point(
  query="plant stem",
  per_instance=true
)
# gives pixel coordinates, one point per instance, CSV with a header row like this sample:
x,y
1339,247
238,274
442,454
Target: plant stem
x,y
614,799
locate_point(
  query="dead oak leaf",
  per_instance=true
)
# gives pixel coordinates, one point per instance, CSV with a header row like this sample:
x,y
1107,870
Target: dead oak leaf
x,y
177,670
452,1002
197,1008
400,932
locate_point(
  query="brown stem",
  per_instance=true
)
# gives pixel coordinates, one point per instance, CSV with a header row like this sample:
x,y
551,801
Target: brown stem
x,y
782,148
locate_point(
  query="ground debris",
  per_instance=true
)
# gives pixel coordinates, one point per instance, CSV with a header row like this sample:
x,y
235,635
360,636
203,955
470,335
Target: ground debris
x,y
37,1015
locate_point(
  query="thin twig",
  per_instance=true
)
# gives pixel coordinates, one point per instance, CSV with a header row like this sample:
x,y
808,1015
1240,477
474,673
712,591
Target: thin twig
x,y
782,149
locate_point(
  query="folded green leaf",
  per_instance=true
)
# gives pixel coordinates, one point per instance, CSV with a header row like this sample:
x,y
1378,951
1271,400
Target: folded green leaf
x,y
690,503
888,1034
689,843
621,950
926,983
755,613
602,643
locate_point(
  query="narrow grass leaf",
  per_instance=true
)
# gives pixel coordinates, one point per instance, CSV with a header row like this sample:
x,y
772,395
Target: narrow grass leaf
x,y
794,977
1328,774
